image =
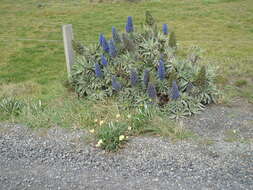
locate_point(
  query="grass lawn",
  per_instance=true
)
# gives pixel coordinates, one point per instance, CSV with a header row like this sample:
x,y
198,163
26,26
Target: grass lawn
x,y
32,56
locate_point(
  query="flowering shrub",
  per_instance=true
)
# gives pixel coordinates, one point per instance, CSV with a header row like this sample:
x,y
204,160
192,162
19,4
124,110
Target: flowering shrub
x,y
143,67
112,136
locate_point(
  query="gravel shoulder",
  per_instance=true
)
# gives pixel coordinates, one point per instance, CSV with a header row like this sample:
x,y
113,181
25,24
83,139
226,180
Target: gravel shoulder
x,y
220,158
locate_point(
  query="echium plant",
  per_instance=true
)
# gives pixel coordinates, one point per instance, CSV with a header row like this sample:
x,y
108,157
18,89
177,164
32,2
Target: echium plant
x,y
151,90
189,87
128,43
161,70
78,47
165,29
201,78
173,41
174,91
115,84
129,25
134,77
137,66
150,21
104,61
103,43
98,71
101,39
172,77
112,49
146,78
115,35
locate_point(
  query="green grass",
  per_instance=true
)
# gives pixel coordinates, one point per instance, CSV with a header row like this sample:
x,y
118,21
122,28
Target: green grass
x,y
223,28
35,68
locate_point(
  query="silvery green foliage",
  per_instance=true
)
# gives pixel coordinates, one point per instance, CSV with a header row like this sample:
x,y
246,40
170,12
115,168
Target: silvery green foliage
x,y
11,106
189,88
114,74
185,106
128,43
149,50
78,47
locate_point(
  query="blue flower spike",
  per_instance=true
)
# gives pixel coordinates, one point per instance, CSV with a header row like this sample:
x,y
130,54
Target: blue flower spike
x,y
104,61
161,70
115,84
151,91
129,25
98,71
165,29
134,77
112,49
174,91
103,43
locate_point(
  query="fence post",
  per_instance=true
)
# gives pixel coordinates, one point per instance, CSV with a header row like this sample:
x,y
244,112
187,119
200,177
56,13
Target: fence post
x,y
68,49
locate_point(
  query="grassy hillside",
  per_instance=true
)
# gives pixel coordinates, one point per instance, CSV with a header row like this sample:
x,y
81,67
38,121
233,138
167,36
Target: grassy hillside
x,y
223,28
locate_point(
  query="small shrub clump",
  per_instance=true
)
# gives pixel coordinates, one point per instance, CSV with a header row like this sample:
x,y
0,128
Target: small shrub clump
x,y
142,66
11,106
112,136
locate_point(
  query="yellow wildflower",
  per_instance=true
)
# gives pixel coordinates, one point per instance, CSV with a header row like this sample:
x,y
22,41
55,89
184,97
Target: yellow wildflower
x,y
99,143
121,137
101,122
92,130
118,116
95,120
129,128
128,116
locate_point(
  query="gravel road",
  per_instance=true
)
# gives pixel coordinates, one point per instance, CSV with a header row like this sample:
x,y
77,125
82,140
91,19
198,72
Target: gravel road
x,y
220,158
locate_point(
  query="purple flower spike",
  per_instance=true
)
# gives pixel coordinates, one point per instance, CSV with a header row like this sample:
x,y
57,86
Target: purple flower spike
x,y
115,84
104,61
174,91
112,49
129,25
103,43
98,71
134,77
165,29
161,70
101,39
151,91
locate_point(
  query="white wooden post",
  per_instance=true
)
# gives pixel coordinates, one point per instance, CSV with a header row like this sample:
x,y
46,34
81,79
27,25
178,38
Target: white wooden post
x,y
68,49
